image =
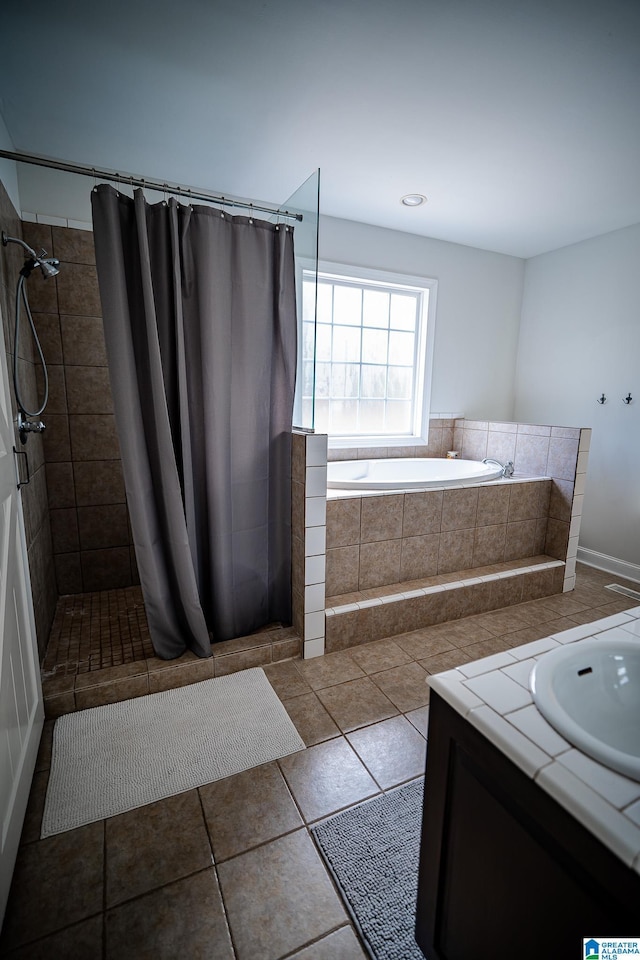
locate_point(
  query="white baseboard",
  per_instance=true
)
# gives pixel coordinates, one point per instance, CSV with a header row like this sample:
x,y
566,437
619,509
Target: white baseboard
x,y
619,568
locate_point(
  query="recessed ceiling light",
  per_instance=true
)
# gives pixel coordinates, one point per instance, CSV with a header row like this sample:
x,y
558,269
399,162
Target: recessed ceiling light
x,y
413,200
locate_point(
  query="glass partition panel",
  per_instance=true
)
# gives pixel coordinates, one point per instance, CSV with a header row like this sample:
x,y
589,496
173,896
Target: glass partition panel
x,y
306,201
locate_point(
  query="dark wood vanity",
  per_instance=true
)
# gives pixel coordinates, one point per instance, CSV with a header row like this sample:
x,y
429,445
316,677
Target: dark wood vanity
x,y
506,873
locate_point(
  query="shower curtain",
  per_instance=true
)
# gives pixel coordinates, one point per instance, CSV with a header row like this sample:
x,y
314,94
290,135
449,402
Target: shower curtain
x,y
200,326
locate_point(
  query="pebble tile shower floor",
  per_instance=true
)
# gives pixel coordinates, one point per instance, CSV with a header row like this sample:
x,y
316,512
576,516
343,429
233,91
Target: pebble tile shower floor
x,y
230,870
92,631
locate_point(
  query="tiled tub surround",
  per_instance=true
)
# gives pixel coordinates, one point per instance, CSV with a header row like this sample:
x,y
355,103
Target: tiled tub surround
x,y
493,695
34,496
429,556
308,538
397,537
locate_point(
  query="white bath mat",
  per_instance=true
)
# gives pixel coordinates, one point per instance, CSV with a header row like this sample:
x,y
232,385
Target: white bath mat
x,y
107,760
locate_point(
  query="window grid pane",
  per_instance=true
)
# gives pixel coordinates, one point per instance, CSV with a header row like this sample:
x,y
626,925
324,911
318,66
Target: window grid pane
x,y
365,359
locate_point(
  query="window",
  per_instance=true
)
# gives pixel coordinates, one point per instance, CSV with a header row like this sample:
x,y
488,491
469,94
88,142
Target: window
x,y
370,354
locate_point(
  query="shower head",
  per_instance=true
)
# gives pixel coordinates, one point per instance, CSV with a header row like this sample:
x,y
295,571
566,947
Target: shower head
x,y
48,265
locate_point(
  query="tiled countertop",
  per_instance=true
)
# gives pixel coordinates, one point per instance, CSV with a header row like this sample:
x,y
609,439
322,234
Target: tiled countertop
x,y
493,695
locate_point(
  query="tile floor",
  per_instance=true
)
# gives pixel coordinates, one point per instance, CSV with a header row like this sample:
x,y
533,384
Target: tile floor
x,y
229,871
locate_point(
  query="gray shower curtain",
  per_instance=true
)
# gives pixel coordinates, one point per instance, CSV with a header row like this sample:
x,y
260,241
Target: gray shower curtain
x,y
200,327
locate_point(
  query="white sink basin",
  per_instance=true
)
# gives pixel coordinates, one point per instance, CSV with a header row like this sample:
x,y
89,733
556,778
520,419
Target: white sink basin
x,y
589,692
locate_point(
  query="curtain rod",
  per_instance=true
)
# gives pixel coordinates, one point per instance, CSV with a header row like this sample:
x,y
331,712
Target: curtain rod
x,y
127,179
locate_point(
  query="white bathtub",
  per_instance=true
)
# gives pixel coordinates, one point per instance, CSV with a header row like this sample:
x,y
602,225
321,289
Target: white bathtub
x,y
407,473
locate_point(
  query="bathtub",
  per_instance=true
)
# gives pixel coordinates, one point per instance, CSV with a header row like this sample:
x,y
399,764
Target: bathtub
x,y
407,473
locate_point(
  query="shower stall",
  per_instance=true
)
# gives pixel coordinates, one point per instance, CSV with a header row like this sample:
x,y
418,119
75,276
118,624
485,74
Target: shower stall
x,y
92,633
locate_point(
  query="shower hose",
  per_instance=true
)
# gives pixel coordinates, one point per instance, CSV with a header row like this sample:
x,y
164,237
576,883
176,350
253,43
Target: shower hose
x,y
21,297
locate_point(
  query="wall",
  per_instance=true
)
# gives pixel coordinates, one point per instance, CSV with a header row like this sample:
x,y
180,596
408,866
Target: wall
x,y
580,337
92,543
34,496
478,310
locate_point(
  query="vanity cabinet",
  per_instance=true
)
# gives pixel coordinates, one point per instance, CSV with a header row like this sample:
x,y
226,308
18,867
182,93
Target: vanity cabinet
x,y
505,871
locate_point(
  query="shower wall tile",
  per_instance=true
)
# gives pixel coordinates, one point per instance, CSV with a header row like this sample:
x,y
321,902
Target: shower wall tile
x,y
60,487
73,246
83,341
106,569
57,402
48,327
98,482
89,390
78,290
38,236
57,445
64,530
103,526
43,293
68,572
94,437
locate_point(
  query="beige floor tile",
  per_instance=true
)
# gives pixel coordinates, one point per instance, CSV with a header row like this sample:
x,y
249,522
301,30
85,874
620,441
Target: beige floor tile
x,y
82,941
278,898
183,919
311,720
392,751
527,634
423,643
486,648
604,610
56,882
502,621
379,655
326,778
448,660
420,719
325,671
248,809
564,605
405,686
341,945
286,679
357,702
154,845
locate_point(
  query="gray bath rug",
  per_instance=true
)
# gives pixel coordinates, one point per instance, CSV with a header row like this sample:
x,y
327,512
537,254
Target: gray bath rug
x,y
107,760
372,851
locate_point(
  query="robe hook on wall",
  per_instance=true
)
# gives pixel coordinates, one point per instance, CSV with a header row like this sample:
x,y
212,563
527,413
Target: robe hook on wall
x,y
602,399
628,398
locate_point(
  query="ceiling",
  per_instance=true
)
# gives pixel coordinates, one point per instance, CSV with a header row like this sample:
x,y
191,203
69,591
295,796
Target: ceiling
x,y
520,121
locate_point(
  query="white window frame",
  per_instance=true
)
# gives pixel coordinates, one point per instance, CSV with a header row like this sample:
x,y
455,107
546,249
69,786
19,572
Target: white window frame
x,y
425,339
